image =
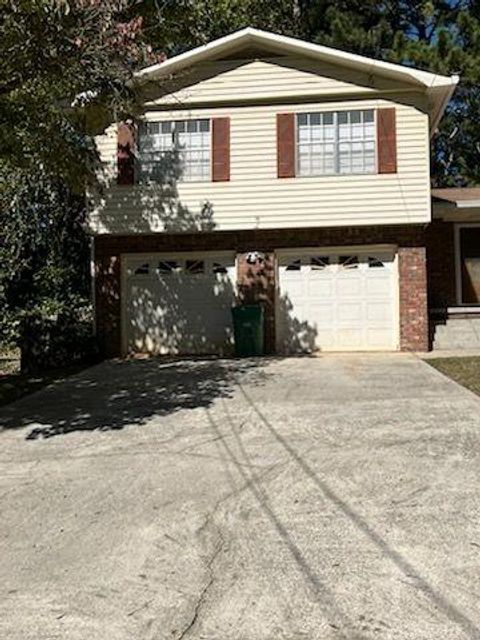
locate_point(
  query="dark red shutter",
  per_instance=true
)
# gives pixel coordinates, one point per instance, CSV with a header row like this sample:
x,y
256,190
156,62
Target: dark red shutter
x,y
220,149
387,140
286,145
126,146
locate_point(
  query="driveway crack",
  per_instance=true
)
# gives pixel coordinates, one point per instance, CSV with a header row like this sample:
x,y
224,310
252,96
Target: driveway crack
x,y
204,592
219,547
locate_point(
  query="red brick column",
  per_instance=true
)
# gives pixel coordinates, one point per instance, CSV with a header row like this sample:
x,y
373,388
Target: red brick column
x,y
412,265
256,284
108,309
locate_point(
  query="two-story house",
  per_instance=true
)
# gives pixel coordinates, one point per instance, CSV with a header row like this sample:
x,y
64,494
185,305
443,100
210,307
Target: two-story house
x,y
264,168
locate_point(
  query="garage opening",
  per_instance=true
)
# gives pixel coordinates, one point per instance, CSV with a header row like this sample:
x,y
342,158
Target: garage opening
x,y
337,300
178,303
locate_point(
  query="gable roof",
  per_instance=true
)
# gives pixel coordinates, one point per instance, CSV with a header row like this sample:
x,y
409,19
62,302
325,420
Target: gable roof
x,y
438,88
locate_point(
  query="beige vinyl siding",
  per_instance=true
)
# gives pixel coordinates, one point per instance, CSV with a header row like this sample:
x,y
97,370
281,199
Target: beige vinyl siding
x,y
256,198
277,78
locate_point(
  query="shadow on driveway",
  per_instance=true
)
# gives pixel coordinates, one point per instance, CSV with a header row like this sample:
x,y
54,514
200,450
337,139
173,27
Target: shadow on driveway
x,y
439,600
116,394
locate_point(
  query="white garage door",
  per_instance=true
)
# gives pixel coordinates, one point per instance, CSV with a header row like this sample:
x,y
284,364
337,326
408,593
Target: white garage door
x,y
342,301
178,304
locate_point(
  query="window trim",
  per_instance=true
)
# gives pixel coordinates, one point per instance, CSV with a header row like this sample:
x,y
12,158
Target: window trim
x,y
335,112
173,122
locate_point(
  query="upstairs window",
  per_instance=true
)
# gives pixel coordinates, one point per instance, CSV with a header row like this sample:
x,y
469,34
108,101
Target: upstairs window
x,y
336,142
179,150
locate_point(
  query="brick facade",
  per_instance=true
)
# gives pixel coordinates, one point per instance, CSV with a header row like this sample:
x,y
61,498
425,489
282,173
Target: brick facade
x,y
412,267
256,283
107,303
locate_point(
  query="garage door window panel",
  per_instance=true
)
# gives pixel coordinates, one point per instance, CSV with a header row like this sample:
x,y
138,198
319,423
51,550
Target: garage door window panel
x,y
143,269
167,267
295,265
375,263
219,268
349,262
319,263
195,267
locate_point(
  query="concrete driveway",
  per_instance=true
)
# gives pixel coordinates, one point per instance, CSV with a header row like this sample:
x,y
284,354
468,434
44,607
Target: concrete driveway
x,y
332,497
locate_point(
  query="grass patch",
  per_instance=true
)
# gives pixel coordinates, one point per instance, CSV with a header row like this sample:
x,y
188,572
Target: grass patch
x,y
465,371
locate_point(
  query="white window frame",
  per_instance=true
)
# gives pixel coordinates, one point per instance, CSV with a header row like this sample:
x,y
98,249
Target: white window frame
x,y
458,264
184,177
336,142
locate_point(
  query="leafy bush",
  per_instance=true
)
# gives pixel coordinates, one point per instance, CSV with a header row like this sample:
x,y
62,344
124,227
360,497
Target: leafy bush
x,y
44,271
55,341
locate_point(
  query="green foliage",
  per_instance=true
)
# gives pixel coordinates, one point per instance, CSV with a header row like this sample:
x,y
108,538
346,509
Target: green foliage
x,y
51,53
61,61
43,256
173,26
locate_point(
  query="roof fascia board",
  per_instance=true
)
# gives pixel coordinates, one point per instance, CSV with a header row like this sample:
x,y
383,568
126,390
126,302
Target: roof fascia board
x,y
467,204
284,43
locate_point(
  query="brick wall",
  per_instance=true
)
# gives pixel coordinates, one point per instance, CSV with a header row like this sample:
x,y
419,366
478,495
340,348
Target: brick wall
x,y
107,303
412,267
257,283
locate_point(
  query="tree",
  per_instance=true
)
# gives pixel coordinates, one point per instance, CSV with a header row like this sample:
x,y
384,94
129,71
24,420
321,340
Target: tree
x,y
54,55
58,60
174,26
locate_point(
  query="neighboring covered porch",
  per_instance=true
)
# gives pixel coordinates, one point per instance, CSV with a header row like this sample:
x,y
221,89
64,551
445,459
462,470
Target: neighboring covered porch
x,y
453,253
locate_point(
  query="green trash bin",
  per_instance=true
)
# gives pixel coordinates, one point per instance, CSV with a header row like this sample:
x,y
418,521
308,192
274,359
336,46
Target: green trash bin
x,y
248,330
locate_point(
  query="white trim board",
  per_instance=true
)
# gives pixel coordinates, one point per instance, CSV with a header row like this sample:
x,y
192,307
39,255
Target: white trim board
x,y
458,264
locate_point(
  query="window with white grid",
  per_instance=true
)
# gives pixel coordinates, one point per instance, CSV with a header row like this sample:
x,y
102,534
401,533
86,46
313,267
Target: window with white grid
x,y
336,142
192,140
180,148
